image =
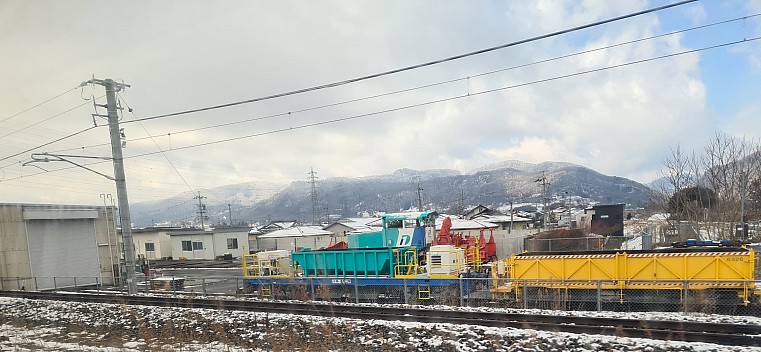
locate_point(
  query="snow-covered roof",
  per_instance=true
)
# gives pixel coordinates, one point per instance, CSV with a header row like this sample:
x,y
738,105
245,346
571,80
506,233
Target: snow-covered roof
x,y
360,221
464,224
658,217
503,218
297,231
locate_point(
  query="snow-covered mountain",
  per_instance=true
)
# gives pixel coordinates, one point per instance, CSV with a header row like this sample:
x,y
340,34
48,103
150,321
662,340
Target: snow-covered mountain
x,y
442,189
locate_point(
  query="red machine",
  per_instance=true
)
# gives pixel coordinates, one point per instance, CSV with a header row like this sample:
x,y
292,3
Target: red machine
x,y
476,248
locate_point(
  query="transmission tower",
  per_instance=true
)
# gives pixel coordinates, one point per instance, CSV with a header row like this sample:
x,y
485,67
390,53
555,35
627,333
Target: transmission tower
x,y
313,194
419,197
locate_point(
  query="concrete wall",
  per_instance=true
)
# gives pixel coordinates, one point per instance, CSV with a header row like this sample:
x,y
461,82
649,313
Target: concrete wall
x,y
14,251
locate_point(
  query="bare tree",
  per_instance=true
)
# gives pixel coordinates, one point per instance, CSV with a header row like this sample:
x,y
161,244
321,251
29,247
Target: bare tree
x,y
731,165
681,174
708,193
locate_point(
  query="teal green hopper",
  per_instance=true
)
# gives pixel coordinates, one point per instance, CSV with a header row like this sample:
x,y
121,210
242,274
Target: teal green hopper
x,y
381,262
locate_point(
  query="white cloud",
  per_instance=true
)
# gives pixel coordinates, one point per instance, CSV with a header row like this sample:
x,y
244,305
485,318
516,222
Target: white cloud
x,y
618,122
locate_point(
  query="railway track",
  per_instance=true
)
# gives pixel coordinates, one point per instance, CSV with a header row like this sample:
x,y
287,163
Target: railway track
x,y
718,333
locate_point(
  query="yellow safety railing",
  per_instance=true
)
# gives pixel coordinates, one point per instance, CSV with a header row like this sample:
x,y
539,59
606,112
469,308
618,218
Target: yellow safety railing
x,y
254,266
407,264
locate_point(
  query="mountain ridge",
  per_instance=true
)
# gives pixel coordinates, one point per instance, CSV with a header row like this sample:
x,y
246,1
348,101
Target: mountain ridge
x,y
449,190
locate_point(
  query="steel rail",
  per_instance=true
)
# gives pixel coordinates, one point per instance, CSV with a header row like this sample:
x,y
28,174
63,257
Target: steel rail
x,y
718,333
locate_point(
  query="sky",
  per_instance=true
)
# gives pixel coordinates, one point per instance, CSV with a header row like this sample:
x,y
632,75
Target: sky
x,y
532,102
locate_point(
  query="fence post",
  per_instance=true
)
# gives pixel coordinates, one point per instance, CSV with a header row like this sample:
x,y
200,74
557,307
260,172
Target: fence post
x,y
599,295
203,285
55,284
406,298
525,300
684,295
76,289
462,293
35,284
356,291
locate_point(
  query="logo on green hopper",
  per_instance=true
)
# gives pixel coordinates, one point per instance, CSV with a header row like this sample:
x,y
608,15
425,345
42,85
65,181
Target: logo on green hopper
x,y
404,241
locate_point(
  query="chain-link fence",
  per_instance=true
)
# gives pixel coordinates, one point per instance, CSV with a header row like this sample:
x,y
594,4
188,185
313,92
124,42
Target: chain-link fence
x,y
704,296
209,285
723,297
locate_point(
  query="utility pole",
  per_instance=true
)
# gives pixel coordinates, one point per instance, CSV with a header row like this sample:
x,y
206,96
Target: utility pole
x,y
230,211
545,185
121,183
419,197
313,194
201,209
568,205
462,203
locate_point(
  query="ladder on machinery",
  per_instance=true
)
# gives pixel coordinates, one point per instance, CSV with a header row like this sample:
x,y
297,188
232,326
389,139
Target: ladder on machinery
x,y
424,292
266,290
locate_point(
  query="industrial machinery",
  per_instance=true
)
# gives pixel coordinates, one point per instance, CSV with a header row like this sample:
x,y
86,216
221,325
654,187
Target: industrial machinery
x,y
636,279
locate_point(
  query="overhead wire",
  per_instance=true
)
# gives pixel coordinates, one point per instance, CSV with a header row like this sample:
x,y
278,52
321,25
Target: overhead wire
x,y
335,120
48,143
436,101
47,119
426,85
470,94
157,145
39,104
426,103
339,83
430,63
418,87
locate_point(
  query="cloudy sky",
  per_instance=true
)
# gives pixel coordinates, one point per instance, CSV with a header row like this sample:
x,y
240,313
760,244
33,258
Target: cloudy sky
x,y
532,102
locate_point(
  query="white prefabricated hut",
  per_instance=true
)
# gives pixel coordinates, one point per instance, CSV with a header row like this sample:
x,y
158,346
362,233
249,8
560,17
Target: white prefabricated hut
x,y
197,244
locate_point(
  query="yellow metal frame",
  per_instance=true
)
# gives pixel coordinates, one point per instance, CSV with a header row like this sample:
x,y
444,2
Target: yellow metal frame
x,y
266,290
253,267
636,271
407,264
424,292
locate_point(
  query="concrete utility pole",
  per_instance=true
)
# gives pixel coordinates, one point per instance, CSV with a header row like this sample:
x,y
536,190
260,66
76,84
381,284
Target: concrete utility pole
x,y
545,198
121,183
201,209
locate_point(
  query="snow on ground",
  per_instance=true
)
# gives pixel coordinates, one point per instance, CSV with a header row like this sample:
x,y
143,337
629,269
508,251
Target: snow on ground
x,y
36,325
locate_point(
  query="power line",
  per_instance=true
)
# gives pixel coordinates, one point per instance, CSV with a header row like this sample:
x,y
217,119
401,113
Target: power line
x,y
426,85
430,63
157,146
45,120
353,117
40,104
46,144
454,97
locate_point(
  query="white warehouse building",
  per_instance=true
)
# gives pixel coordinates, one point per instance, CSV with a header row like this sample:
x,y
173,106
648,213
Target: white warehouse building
x,y
52,246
